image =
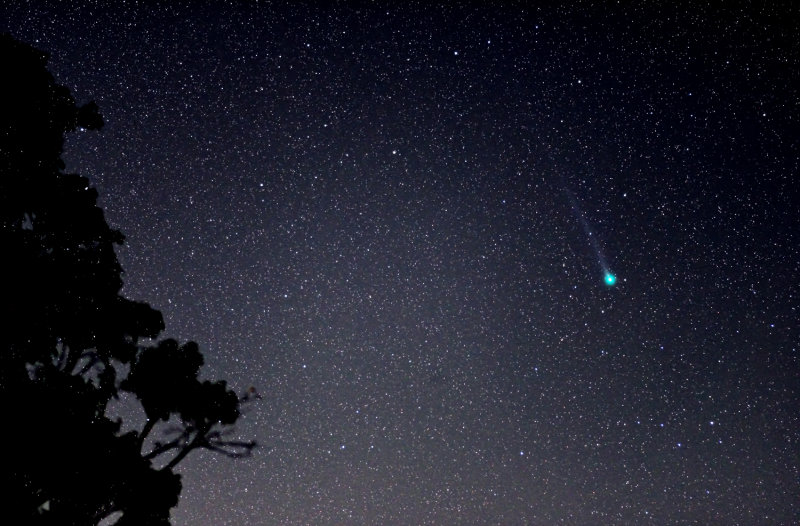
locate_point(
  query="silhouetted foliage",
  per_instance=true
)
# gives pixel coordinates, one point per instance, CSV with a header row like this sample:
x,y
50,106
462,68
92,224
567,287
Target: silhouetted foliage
x,y
72,343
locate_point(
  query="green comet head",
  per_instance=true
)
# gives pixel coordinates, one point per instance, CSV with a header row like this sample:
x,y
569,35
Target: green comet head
x,y
610,279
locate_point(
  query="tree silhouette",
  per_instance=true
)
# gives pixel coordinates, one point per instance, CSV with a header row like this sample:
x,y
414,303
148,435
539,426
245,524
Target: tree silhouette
x,y
72,343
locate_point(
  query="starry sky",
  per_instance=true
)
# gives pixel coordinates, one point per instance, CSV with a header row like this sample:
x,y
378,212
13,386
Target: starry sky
x,y
394,220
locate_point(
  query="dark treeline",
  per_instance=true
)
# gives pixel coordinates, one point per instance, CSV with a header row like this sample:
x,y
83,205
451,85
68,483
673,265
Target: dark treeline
x,y
72,343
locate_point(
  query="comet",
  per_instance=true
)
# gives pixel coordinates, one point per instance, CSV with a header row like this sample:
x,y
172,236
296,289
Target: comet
x,y
609,278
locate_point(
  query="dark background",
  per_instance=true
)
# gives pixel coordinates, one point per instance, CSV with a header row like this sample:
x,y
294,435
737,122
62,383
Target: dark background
x,y
362,210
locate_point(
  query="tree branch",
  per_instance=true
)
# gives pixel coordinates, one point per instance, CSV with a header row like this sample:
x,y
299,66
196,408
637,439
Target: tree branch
x,y
72,358
198,441
93,358
148,427
160,449
232,448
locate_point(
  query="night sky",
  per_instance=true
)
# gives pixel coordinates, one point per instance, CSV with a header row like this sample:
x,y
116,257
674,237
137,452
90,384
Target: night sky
x,y
395,220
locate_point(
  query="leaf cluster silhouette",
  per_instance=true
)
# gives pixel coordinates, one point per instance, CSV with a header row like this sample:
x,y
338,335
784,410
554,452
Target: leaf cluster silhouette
x,y
73,343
